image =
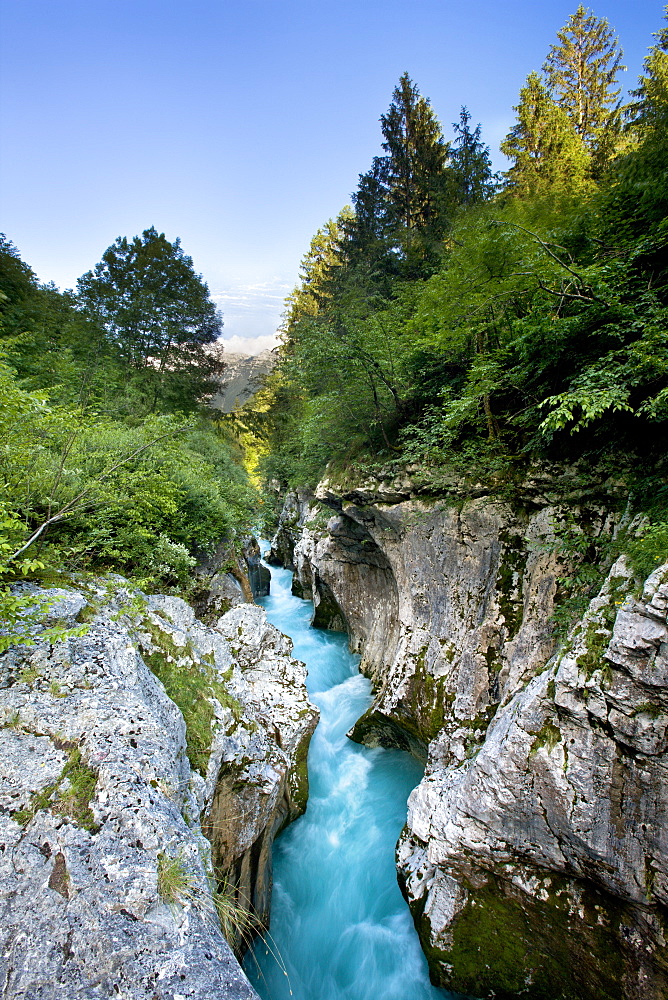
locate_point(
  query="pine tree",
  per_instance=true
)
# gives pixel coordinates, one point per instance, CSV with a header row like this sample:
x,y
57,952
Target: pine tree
x,y
473,179
581,73
549,156
317,270
650,112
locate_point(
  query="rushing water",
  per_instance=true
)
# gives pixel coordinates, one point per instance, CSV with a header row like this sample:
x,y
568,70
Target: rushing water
x,y
340,929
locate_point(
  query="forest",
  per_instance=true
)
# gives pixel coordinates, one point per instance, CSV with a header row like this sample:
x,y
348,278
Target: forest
x,y
470,325
111,458
454,321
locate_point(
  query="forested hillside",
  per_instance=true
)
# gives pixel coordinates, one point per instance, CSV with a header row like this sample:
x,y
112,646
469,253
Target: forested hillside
x,y
111,459
471,324
453,320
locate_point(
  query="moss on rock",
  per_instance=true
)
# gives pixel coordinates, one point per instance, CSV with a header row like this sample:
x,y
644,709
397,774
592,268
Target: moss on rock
x,y
563,943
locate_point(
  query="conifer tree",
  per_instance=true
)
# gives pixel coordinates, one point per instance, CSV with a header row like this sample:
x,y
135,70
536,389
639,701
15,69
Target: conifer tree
x,y
581,72
473,179
317,269
371,233
650,112
416,155
638,193
549,156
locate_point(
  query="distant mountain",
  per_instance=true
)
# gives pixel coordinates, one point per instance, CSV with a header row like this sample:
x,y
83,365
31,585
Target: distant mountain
x,y
242,378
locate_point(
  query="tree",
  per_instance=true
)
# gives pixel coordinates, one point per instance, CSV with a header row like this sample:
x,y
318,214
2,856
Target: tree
x,y
316,270
549,156
581,72
155,309
637,195
413,169
650,112
473,179
371,234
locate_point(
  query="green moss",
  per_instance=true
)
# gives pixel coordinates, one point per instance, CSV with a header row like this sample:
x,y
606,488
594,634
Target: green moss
x,y
72,800
596,641
548,736
191,681
506,944
299,777
493,660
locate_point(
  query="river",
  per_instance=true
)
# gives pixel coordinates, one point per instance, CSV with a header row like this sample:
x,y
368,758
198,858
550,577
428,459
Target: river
x,y
340,928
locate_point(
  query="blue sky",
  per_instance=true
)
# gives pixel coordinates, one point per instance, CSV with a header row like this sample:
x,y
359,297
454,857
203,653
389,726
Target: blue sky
x,y
240,126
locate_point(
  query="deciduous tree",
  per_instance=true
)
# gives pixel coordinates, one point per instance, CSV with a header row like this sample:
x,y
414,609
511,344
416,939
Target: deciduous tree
x,y
155,308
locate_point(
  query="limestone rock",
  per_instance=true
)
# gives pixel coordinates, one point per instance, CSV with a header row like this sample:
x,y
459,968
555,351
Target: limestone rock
x,y
105,877
552,837
535,857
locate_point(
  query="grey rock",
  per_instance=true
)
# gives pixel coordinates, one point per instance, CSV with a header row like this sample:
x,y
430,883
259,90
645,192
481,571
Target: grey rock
x,y
98,799
535,855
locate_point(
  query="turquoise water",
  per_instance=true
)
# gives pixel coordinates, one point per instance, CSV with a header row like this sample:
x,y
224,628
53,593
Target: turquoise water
x,y
338,920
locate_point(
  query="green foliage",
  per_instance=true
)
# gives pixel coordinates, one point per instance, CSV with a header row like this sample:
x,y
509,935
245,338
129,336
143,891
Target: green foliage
x,y
192,683
156,313
109,460
650,549
549,157
581,72
176,885
470,166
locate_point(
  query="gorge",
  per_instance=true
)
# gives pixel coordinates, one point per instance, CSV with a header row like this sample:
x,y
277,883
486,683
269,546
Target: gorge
x,y
457,451
338,923
534,857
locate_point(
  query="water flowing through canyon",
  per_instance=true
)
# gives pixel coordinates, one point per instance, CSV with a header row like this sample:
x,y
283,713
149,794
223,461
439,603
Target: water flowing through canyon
x,y
340,929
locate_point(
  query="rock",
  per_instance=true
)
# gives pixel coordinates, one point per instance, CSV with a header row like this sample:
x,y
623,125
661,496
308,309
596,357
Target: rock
x,y
259,576
547,850
243,375
449,608
535,856
293,515
106,881
222,583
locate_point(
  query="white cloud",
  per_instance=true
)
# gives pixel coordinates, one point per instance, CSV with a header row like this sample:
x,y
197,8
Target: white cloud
x,y
249,310
250,345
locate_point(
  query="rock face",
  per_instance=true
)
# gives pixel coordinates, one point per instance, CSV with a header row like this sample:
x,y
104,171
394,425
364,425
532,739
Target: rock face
x,y
259,577
536,851
242,377
226,578
107,886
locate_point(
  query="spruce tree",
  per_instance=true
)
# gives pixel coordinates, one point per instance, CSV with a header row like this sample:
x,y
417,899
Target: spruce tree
x,y
581,72
416,155
473,179
549,156
637,195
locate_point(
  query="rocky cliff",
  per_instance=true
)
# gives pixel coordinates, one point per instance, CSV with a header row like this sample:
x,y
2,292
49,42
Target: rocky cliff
x,y
535,854
108,887
243,375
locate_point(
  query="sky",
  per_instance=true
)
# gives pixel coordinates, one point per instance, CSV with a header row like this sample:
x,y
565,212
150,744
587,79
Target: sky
x,y
240,126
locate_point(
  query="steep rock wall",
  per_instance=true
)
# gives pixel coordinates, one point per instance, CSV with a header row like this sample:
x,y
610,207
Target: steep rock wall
x,y
535,853
107,886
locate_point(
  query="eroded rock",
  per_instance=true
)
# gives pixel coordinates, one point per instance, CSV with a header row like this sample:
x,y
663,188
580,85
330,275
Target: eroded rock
x,y
536,850
107,884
